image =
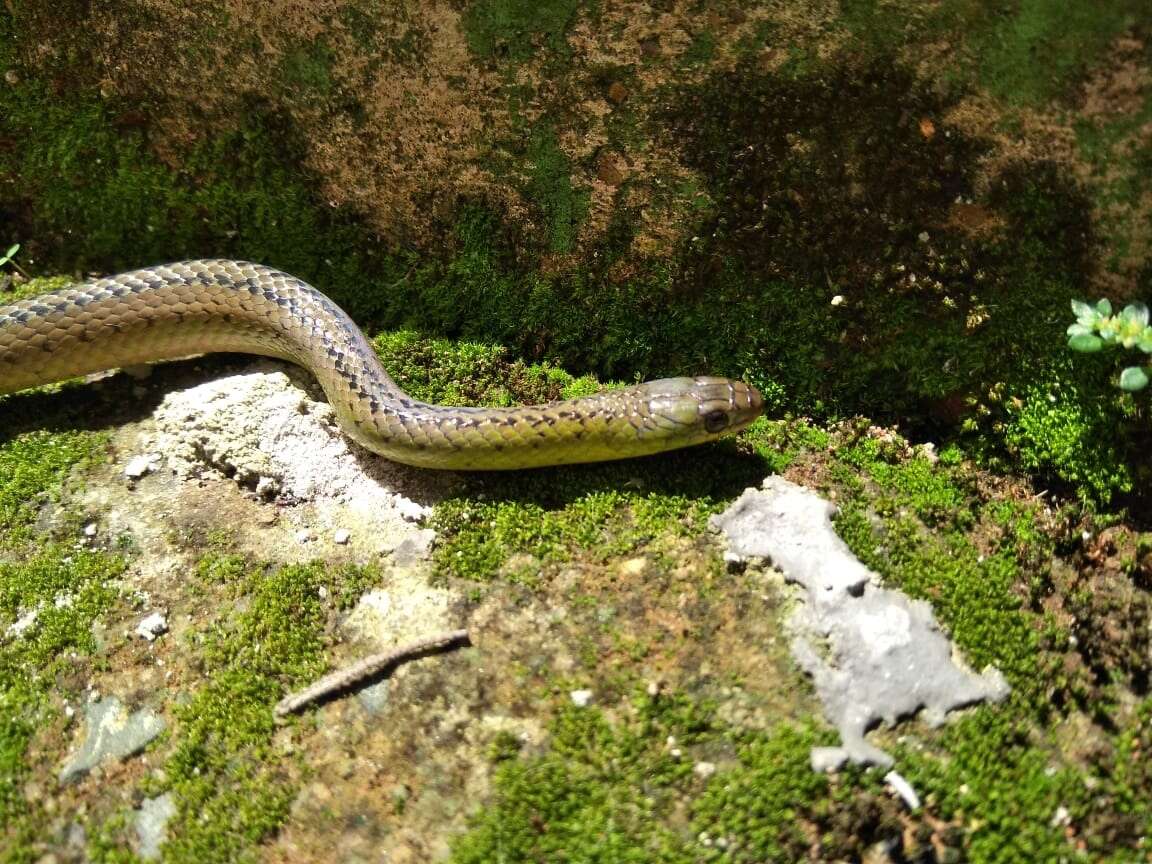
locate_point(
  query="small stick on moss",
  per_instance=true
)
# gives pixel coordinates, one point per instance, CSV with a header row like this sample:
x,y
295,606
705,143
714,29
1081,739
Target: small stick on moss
x,y
349,676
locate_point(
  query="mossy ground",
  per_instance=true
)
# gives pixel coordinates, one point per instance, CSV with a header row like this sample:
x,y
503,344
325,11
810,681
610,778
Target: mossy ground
x,y
951,260
992,782
222,768
806,162
68,589
264,629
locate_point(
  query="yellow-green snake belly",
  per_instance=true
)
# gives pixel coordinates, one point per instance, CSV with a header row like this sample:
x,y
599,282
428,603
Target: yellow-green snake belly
x,y
198,307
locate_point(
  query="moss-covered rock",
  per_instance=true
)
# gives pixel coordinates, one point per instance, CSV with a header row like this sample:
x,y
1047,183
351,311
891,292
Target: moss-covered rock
x,y
861,209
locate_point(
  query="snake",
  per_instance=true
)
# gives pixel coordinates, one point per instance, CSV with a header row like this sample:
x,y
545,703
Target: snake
x,y
190,308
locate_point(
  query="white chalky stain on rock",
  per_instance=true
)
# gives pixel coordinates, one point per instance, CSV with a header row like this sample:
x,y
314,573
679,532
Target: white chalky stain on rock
x,y
873,653
886,629
139,466
266,433
26,620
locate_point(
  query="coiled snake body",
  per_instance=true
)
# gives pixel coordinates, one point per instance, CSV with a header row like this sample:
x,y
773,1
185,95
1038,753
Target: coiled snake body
x,y
198,307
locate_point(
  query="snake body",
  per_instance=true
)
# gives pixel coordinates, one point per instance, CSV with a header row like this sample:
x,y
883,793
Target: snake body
x,y
198,307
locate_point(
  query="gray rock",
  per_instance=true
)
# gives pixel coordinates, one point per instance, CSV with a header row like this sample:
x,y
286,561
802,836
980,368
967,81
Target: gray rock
x,y
139,466
152,626
152,825
374,699
873,653
414,548
113,733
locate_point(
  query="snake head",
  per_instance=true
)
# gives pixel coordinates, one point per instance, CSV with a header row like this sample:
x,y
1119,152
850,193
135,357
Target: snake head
x,y
702,408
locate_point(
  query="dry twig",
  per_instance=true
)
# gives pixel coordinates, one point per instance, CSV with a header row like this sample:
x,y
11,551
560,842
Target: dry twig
x,y
349,676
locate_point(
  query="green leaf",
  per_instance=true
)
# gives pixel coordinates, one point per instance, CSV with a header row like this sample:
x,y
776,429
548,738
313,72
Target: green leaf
x,y
1086,342
1103,307
1083,311
1108,329
12,250
1079,329
1133,378
1145,343
1136,313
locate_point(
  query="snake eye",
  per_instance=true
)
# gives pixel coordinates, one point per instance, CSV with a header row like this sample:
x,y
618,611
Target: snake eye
x,y
715,421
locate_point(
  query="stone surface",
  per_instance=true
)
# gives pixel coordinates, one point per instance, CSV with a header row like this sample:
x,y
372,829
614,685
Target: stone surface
x,y
151,825
874,654
152,626
269,435
112,733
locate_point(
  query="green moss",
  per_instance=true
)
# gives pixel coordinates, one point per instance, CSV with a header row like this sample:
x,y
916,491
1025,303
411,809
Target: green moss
x,y
66,589
1062,428
472,373
883,29
231,788
470,295
230,792
1027,54
576,798
765,807
700,50
613,790
999,788
1041,48
600,525
591,512
106,846
1120,158
782,442
1118,817
550,188
39,285
914,483
514,29
988,776
387,32
307,71
32,466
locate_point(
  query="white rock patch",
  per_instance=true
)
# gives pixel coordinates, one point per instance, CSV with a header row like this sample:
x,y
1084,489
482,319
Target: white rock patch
x,y
266,433
885,656
152,626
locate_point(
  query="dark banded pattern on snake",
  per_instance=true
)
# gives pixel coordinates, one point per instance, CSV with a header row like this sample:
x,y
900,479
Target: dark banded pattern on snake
x,y
199,307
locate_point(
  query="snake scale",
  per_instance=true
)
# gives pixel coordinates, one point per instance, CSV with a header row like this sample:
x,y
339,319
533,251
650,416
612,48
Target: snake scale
x,y
199,307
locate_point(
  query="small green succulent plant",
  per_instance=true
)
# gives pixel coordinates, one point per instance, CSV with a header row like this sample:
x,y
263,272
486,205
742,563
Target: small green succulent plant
x,y
1096,327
